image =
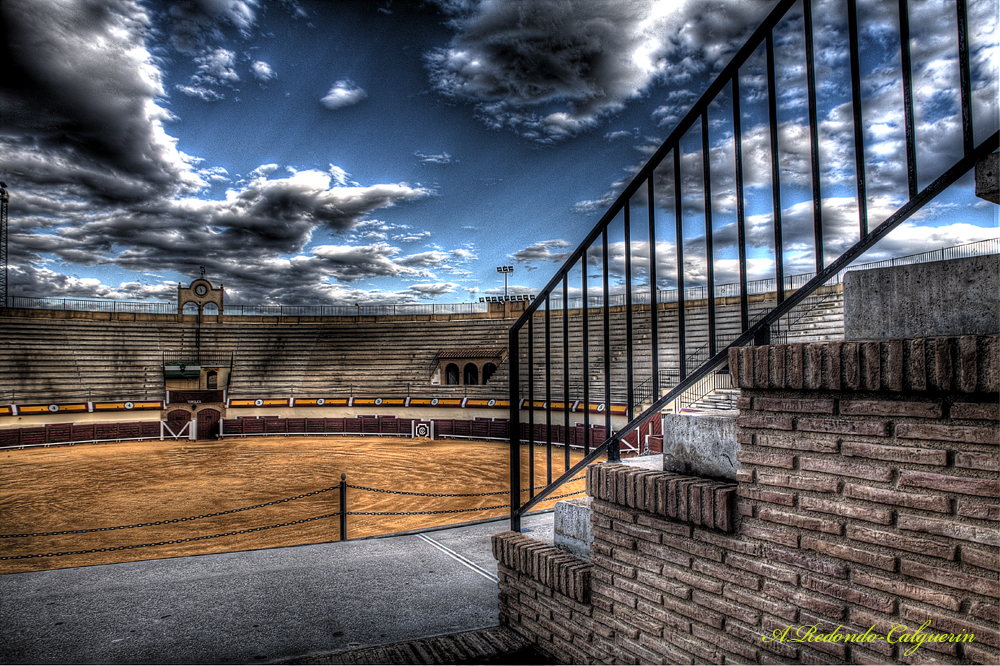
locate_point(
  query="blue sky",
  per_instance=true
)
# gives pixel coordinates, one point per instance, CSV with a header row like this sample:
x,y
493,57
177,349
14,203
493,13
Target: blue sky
x,y
360,152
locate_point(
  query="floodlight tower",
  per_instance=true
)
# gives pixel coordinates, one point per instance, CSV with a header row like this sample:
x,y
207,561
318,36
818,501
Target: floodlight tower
x,y
506,270
4,198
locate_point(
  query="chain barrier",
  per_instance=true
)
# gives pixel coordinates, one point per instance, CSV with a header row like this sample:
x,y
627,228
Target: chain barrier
x,y
166,543
499,492
169,522
428,513
268,527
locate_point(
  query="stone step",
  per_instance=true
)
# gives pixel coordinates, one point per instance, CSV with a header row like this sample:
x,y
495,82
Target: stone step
x,y
493,645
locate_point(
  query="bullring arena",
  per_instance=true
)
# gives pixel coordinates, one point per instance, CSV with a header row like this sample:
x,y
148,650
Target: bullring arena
x,y
177,416
173,416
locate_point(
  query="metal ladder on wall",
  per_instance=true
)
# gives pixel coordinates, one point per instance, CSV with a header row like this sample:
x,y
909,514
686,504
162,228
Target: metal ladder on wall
x,y
662,177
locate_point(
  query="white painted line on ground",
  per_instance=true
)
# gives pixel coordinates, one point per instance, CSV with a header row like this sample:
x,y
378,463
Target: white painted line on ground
x,y
461,559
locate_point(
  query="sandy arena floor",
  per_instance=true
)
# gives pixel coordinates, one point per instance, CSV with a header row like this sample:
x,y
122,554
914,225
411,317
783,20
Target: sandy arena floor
x,y
102,485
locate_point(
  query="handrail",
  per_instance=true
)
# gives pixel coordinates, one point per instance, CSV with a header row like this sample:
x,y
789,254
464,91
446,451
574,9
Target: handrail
x,y
596,243
721,358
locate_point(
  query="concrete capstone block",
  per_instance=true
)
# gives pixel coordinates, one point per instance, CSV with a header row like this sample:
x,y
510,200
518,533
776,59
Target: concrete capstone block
x,y
942,298
572,526
700,445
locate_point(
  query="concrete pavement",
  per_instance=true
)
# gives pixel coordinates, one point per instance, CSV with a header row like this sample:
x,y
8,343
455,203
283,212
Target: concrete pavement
x,y
257,606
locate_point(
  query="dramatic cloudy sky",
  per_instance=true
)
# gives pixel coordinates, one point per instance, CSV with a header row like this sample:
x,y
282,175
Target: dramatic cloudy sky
x,y
357,152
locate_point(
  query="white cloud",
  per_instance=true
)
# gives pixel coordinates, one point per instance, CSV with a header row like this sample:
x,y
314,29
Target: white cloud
x,y
433,289
620,134
198,22
202,93
216,67
547,250
343,93
262,71
440,158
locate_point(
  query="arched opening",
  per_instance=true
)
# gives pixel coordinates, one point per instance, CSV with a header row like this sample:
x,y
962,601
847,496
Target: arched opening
x,y
210,309
488,371
190,308
212,380
451,374
471,374
178,415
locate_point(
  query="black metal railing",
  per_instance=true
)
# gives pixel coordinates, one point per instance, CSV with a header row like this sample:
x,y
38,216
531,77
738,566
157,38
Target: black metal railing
x,y
665,195
691,293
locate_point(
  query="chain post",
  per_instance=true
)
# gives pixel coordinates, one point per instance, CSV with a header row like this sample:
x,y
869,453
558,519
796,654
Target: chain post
x,y
343,507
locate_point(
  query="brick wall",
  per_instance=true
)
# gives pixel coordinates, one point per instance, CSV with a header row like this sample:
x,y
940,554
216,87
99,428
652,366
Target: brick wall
x,y
867,497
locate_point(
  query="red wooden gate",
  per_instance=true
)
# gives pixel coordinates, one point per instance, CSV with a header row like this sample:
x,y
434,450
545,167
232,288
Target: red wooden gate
x,y
208,423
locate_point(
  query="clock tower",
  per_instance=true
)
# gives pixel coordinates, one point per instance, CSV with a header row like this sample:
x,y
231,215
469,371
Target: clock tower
x,y
201,294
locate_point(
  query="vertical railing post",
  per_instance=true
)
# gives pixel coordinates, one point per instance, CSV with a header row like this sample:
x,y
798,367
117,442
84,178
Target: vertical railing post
x,y
613,448
908,120
515,426
629,389
679,252
709,245
343,507
531,407
586,356
654,334
859,130
817,195
772,112
965,76
565,325
741,237
548,393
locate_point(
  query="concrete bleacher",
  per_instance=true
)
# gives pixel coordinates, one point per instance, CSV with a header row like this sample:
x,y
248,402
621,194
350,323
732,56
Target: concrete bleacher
x,y
370,358
819,317
51,360
57,359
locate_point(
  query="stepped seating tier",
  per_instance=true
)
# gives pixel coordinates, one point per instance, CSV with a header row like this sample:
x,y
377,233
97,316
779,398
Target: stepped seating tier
x,y
54,360
818,318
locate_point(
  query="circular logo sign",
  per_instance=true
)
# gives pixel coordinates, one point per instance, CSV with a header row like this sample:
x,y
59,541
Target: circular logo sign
x,y
434,401
600,408
491,403
378,401
321,402
53,408
129,405
258,402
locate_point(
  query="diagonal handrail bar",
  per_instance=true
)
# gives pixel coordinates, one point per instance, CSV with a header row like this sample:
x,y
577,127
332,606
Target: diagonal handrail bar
x,y
758,330
654,161
962,167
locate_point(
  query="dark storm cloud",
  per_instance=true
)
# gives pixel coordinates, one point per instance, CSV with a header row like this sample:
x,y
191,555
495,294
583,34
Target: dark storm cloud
x,y
550,69
549,251
99,180
42,282
80,102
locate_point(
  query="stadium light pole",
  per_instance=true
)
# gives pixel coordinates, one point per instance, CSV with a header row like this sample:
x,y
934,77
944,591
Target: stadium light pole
x,y
506,270
4,198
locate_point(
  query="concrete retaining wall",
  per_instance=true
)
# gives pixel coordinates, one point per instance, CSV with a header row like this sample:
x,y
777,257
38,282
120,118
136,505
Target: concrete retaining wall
x,y
956,297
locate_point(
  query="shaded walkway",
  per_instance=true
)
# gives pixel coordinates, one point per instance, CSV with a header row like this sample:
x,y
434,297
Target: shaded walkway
x,y
258,606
